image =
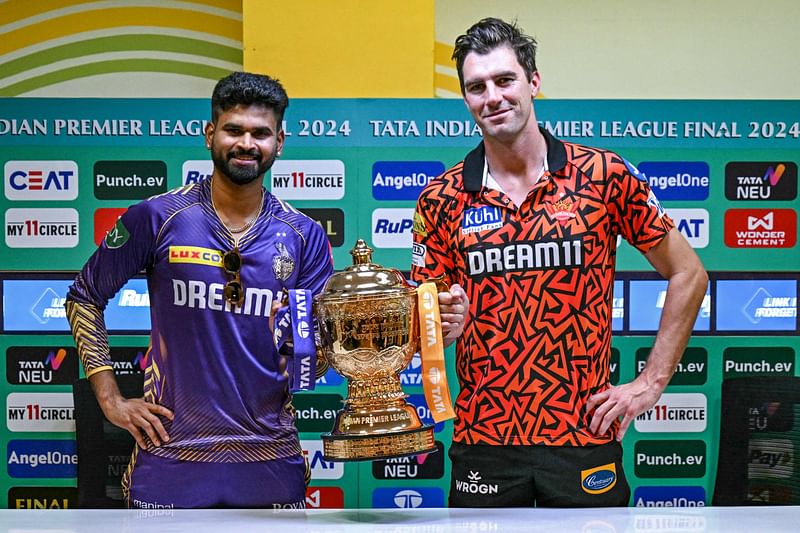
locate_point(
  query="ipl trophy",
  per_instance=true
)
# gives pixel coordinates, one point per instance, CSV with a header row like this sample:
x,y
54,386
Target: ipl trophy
x,y
369,331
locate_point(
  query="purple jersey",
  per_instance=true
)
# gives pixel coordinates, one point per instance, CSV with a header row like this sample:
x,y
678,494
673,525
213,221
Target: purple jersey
x,y
213,364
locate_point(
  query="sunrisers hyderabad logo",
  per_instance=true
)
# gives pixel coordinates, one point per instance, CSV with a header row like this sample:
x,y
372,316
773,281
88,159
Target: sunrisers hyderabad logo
x,y
562,211
599,479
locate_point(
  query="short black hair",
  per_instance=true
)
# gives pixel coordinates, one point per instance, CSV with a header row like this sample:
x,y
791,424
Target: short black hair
x,y
246,88
490,33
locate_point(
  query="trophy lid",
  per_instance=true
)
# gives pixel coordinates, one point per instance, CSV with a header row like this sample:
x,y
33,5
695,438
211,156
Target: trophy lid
x,y
364,277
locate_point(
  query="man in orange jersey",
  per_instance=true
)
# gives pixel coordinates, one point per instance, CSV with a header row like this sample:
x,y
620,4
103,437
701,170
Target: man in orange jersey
x,y
527,225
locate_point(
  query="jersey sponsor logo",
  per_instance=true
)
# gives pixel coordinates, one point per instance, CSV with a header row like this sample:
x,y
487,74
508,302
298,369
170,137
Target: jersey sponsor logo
x,y
675,412
118,235
198,294
770,458
129,180
42,228
391,227
41,365
419,225
42,458
757,305
320,468
422,466
481,218
193,171
331,220
669,497
474,484
42,498
41,180
677,180
760,228
195,255
653,202
761,181
599,479
418,254
105,219
497,259
402,180
44,411
324,498
693,224
407,497
634,171
563,210
313,179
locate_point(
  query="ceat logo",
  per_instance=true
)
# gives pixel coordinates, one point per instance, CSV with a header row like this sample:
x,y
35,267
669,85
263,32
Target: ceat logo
x,y
104,220
41,180
324,498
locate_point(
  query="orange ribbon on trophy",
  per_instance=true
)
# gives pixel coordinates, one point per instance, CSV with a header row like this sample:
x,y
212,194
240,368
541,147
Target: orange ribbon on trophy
x,y
434,375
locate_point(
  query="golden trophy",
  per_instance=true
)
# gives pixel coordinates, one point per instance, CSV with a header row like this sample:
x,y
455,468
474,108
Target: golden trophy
x,y
369,331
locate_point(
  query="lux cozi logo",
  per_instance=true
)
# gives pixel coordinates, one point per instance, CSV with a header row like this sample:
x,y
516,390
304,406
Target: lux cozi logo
x,y
195,255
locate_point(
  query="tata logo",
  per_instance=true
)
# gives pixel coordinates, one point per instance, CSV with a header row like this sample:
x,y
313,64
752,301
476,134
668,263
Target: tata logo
x,y
391,227
407,497
693,224
402,180
320,468
761,181
677,180
41,180
194,171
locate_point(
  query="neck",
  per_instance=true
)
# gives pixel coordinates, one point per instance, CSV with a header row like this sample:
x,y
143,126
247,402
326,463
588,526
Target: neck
x,y
236,205
520,160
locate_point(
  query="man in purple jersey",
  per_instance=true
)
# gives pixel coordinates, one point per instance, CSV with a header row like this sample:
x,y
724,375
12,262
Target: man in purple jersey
x,y
215,427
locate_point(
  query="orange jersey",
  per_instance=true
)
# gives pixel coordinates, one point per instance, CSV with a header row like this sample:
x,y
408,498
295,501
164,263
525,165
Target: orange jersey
x,y
539,278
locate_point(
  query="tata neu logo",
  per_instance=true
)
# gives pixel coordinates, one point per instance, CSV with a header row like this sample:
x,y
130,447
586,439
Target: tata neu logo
x,y
41,180
129,180
760,228
41,365
422,466
756,181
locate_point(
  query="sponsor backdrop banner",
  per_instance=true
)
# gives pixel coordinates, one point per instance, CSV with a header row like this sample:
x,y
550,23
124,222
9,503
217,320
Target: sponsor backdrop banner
x,y
725,171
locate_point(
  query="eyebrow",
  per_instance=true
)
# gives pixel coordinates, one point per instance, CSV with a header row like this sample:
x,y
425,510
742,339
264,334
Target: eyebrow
x,y
494,75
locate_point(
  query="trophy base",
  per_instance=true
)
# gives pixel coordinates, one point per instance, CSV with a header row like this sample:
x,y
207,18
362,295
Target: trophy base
x,y
381,446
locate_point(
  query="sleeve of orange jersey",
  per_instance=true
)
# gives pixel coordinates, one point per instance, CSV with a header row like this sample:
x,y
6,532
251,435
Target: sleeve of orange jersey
x,y
432,255
635,209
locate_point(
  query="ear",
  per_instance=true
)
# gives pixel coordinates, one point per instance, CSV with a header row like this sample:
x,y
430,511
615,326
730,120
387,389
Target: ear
x,y
536,84
209,133
280,139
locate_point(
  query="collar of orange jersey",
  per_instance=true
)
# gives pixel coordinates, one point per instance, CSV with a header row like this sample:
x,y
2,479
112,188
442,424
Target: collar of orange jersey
x,y
473,163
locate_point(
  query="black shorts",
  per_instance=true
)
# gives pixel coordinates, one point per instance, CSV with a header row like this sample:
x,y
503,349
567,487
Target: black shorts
x,y
537,476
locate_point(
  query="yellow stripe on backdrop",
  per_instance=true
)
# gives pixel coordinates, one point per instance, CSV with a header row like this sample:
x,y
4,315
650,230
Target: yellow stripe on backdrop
x,y
343,49
117,48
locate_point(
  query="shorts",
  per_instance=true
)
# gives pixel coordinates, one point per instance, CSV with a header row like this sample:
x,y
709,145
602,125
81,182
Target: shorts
x,y
537,476
154,482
